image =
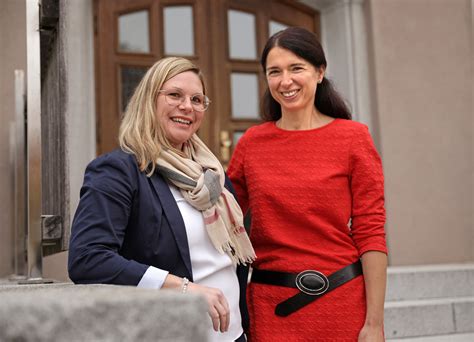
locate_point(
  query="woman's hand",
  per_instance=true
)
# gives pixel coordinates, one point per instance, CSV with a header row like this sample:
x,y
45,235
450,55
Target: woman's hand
x,y
218,307
370,333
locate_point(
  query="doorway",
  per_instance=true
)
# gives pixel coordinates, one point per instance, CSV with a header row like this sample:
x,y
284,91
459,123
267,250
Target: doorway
x,y
223,37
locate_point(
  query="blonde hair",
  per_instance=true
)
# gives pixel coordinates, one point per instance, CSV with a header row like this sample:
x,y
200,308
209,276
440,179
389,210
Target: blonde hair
x,y
140,132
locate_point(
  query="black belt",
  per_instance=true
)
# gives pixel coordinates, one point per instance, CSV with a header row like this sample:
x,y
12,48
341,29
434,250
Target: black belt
x,y
312,284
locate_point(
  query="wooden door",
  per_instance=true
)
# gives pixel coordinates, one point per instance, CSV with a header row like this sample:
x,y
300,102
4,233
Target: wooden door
x,y
241,28
224,37
130,36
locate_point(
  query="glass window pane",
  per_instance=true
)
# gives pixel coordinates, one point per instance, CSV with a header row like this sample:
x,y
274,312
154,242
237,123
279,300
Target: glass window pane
x,y
244,94
242,35
131,76
179,30
133,32
275,26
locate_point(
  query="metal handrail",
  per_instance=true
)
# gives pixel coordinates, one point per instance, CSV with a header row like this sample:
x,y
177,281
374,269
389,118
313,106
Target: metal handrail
x,y
33,148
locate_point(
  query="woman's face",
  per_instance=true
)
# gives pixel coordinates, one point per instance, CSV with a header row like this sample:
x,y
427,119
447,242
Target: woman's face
x,y
292,80
179,121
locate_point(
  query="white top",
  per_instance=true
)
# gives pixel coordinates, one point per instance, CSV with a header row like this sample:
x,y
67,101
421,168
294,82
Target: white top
x,y
210,268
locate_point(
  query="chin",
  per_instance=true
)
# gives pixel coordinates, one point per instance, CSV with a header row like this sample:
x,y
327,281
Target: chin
x,y
297,105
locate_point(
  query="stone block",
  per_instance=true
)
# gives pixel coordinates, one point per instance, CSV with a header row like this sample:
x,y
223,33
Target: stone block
x,y
418,318
464,316
66,312
433,281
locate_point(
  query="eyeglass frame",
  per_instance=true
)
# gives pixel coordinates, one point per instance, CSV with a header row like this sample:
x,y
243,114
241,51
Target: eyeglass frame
x,y
166,92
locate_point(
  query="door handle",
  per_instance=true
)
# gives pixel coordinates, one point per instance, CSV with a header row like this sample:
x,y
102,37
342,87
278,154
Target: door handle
x,y
225,144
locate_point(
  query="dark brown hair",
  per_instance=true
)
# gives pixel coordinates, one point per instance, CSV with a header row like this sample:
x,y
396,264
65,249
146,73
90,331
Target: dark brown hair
x,y
304,44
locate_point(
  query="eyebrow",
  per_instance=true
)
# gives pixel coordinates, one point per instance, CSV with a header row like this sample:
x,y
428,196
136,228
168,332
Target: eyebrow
x,y
291,65
182,91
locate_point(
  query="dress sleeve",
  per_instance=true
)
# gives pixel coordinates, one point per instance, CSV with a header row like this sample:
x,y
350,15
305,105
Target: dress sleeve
x,y
100,224
367,188
236,173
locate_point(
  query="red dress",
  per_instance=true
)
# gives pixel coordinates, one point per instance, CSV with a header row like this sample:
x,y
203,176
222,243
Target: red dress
x,y
317,202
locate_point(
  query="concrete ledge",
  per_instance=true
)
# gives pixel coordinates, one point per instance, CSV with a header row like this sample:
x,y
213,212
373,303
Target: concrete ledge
x,y
431,281
65,312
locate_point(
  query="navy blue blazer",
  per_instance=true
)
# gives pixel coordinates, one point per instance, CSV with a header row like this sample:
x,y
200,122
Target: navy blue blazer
x,y
126,222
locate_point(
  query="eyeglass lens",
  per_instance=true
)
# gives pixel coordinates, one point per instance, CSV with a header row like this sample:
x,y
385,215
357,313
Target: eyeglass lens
x,y
198,101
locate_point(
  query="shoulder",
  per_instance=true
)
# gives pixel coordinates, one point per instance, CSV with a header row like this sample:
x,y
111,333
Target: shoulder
x,y
258,132
351,126
352,131
262,128
117,158
112,166
359,140
252,136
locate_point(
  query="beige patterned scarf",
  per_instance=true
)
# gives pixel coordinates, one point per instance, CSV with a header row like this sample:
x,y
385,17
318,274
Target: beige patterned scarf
x,y
200,177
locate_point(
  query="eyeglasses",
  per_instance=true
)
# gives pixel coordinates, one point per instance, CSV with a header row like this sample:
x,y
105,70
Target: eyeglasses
x,y
174,97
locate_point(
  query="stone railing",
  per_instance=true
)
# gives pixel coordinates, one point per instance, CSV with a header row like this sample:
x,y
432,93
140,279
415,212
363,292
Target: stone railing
x,y
67,312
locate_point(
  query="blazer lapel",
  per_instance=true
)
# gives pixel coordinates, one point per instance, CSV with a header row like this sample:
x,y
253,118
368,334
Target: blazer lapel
x,y
171,210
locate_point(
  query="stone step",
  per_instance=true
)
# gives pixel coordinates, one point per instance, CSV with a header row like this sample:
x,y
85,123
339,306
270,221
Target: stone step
x,y
430,281
429,317
437,338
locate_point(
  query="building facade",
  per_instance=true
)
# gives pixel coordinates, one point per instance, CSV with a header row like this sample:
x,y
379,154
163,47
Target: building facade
x,y
405,66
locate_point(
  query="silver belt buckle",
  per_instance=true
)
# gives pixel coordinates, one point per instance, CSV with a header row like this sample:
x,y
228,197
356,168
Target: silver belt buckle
x,y
312,282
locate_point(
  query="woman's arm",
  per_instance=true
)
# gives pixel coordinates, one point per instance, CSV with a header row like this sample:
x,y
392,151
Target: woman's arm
x,y
100,224
374,266
368,221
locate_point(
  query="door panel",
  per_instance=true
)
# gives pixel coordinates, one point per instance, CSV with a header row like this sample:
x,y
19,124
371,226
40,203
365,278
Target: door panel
x,y
178,30
244,96
224,37
242,38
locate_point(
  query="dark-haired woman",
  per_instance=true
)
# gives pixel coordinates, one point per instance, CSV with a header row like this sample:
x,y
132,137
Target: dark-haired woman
x,y
313,182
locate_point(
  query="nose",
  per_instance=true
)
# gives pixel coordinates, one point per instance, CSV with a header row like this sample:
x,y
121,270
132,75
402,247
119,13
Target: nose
x,y
286,79
186,104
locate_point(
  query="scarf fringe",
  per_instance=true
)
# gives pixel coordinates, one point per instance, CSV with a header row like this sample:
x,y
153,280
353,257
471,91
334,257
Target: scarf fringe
x,y
237,259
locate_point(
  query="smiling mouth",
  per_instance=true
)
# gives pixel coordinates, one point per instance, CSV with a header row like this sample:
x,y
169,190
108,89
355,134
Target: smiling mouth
x,y
182,121
289,93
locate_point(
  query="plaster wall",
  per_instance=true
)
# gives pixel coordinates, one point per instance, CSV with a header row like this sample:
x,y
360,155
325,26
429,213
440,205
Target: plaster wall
x,y
12,56
422,52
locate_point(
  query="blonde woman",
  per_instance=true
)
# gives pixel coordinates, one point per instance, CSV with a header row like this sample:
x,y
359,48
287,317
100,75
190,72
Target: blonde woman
x,y
157,213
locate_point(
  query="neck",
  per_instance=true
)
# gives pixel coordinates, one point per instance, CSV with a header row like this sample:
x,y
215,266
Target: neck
x,y
302,120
